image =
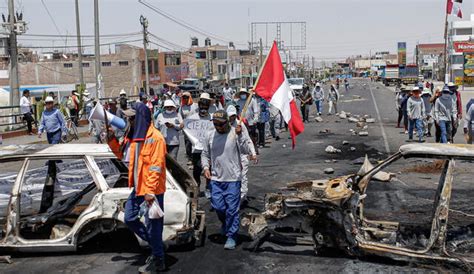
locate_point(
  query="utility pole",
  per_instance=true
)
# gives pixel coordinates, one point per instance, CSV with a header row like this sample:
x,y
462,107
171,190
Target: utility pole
x,y
79,46
14,81
261,54
98,76
144,23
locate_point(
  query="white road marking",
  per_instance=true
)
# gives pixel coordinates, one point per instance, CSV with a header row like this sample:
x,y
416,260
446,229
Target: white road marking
x,y
384,135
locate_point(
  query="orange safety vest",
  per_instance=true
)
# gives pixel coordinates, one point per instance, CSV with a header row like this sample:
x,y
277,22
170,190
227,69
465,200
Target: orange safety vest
x,y
151,164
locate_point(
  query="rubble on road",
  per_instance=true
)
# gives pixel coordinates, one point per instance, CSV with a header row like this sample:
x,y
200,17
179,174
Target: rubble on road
x,y
379,176
318,119
353,120
360,124
344,143
343,115
363,133
329,170
370,120
332,150
352,149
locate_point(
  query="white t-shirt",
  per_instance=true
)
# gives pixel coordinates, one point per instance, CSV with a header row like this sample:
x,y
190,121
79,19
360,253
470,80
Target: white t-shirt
x,y
25,105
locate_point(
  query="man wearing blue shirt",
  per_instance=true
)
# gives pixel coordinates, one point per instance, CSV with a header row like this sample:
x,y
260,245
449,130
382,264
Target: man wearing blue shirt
x,y
52,121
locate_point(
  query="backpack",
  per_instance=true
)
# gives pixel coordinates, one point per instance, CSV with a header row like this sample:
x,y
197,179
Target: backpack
x,y
70,103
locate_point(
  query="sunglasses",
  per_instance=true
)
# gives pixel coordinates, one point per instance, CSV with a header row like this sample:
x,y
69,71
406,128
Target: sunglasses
x,y
219,124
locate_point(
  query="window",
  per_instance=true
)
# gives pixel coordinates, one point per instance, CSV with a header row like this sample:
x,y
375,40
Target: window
x,y
67,65
7,179
467,31
86,65
106,64
57,190
123,63
172,60
219,54
155,66
200,55
221,69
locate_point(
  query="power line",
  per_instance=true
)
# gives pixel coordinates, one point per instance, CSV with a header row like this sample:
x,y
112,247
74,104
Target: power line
x,y
185,24
87,35
52,19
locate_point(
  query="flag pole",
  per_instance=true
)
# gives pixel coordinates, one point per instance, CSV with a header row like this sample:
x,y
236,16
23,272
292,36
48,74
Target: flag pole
x,y
446,58
249,99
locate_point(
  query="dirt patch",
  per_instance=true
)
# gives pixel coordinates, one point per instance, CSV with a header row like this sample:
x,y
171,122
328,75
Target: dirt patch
x,y
434,167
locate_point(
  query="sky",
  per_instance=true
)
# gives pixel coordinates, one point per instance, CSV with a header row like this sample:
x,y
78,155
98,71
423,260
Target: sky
x,y
335,29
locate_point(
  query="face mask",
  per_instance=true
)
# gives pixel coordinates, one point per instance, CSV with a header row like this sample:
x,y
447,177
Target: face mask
x,y
169,111
203,112
243,97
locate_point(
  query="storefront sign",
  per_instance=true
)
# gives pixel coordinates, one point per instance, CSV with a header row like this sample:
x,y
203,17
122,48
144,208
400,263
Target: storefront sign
x,y
464,46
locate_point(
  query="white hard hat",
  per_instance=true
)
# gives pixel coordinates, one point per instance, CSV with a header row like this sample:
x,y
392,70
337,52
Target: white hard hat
x,y
86,93
415,88
205,95
451,84
318,84
243,90
169,103
49,99
123,92
231,110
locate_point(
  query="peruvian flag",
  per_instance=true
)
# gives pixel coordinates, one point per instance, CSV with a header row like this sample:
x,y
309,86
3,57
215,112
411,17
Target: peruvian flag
x,y
273,86
454,7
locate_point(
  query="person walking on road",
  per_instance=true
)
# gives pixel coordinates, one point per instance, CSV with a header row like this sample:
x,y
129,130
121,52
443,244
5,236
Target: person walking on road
x,y
469,122
228,93
52,122
234,122
275,119
399,96
318,97
306,100
147,177
187,108
333,98
251,116
433,99
26,110
457,99
223,166
263,119
170,124
416,112
346,84
445,113
428,119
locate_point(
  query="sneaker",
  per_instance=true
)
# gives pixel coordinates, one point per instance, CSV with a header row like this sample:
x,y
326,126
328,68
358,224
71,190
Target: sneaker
x,y
406,131
277,138
421,141
229,244
161,265
409,140
149,266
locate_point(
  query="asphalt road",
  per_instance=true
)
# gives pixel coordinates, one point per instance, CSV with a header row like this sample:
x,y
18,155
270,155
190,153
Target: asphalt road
x,y
279,164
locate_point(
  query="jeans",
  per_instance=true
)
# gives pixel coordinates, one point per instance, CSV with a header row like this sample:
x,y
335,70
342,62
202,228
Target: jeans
x,y
74,112
418,124
197,167
319,106
29,121
54,137
274,130
153,231
405,120
189,148
305,112
173,151
446,133
225,199
400,116
331,105
261,134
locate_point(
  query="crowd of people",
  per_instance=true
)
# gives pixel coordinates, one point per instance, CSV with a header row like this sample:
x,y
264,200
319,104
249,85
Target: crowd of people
x,y
425,106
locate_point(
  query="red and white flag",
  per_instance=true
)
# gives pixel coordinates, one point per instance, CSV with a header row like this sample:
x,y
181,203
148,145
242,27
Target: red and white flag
x,y
453,7
273,86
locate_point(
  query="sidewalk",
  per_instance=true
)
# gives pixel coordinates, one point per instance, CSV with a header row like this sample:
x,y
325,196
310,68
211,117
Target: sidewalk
x,y
33,139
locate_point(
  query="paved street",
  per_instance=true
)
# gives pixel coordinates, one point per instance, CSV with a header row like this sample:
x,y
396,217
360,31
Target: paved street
x,y
279,164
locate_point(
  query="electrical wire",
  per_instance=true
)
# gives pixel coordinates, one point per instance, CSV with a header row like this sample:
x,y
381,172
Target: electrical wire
x,y
185,24
85,35
52,19
83,46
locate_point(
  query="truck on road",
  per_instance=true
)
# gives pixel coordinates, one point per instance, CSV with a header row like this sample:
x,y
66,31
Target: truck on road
x,y
409,74
392,75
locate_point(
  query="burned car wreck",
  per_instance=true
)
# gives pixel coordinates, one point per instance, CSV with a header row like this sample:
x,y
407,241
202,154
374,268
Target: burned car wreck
x,y
405,218
55,198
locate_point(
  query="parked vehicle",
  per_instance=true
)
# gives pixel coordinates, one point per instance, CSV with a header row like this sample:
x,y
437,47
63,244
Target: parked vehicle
x,y
392,75
54,198
296,84
404,217
409,74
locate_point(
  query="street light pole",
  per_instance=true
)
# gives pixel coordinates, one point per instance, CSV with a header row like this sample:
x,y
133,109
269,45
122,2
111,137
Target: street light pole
x,y
144,23
97,49
14,81
79,46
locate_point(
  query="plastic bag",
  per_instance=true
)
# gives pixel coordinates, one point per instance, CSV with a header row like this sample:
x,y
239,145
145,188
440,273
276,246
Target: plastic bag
x,y
155,211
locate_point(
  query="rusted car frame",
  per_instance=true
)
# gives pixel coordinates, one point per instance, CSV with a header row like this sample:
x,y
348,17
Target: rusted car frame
x,y
329,214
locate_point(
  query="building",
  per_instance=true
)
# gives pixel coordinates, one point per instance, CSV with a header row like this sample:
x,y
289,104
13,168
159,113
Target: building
x,y
459,31
430,60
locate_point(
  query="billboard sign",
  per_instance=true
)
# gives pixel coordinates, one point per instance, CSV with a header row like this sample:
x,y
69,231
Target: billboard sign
x,y
464,46
402,53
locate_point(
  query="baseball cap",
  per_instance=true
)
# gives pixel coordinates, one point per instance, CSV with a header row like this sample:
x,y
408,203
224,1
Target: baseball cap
x,y
231,110
169,103
205,96
220,115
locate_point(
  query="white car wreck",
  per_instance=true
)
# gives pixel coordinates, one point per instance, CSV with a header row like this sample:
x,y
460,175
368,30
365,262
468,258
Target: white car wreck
x,y
54,198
